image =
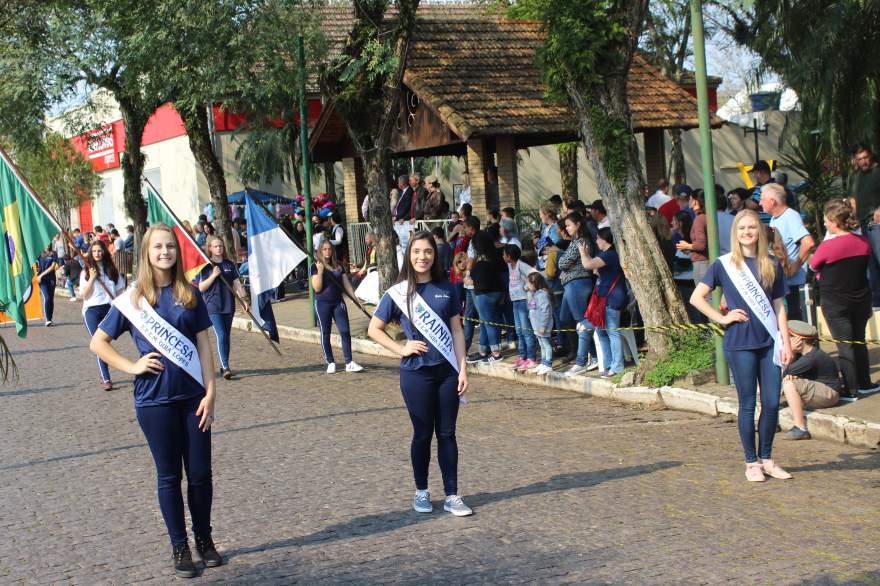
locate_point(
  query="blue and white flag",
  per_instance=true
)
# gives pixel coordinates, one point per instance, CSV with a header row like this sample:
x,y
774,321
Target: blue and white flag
x,y
272,255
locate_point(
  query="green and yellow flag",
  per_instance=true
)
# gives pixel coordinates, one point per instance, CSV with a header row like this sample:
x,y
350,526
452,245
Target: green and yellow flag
x,y
26,229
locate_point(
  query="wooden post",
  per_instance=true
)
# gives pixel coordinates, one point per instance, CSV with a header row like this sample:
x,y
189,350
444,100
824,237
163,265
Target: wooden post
x,y
353,186
508,180
477,175
655,156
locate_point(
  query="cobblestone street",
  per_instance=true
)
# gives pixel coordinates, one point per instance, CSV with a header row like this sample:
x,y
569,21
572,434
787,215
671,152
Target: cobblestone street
x,y
312,484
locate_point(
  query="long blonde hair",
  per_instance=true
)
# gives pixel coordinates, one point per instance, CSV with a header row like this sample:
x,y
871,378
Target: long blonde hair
x,y
766,267
145,286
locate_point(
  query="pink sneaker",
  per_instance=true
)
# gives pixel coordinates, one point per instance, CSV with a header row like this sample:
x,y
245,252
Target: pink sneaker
x,y
519,362
527,364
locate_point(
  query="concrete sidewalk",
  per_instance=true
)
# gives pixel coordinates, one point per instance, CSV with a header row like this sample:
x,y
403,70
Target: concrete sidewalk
x,y
856,423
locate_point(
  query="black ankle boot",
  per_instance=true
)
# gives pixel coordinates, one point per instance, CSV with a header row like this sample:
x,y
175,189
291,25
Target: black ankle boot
x,y
183,562
206,549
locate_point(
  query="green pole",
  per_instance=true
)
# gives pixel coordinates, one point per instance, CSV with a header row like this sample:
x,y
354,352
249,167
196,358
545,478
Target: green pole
x,y
307,185
721,371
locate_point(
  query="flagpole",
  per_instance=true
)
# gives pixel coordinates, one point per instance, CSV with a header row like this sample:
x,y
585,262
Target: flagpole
x,y
311,259
205,256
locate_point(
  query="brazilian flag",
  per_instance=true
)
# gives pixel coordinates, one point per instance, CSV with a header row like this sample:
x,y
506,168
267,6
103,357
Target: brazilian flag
x,y
26,229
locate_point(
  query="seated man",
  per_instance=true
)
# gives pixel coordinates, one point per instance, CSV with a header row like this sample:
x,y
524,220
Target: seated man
x,y
812,381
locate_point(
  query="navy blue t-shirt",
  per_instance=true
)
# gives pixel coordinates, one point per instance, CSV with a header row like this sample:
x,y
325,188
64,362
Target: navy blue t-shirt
x,y
751,334
173,383
43,263
330,292
443,299
218,297
607,275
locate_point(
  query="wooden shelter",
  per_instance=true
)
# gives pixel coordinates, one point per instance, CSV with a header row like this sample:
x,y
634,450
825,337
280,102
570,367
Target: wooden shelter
x,y
471,88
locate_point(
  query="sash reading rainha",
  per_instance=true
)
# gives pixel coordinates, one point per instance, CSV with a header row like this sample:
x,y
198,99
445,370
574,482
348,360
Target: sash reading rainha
x,y
426,321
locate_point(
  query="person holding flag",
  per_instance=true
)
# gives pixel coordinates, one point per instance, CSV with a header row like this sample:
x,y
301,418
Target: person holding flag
x,y
47,264
271,256
219,297
26,229
433,374
174,386
99,284
330,280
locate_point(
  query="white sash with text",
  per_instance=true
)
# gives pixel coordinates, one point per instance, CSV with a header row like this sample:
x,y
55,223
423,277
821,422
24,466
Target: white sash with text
x,y
753,294
426,321
164,337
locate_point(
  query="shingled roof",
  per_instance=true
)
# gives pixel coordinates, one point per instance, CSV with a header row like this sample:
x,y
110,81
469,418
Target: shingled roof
x,y
478,72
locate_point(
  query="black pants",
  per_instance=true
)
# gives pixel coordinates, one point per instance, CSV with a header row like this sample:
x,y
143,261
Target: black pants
x,y
794,303
47,292
431,397
848,323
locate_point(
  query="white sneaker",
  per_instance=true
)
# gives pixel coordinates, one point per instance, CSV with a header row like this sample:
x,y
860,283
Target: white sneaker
x,y
576,370
456,506
543,369
72,299
353,367
331,368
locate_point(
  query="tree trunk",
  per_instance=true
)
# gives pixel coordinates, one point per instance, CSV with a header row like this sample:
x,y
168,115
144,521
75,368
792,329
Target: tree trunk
x,y
385,238
134,121
677,173
330,180
195,119
568,169
606,130
296,161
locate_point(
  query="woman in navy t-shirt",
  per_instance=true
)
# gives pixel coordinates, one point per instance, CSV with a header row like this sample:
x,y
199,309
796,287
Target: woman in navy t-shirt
x,y
432,387
748,345
47,264
329,278
219,298
174,410
612,286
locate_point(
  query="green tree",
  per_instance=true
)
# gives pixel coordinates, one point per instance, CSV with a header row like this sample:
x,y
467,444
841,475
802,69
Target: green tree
x,y
667,45
826,51
68,46
59,174
364,83
585,61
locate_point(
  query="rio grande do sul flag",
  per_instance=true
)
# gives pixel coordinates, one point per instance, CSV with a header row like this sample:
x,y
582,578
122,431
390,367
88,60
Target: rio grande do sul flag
x,y
26,229
192,256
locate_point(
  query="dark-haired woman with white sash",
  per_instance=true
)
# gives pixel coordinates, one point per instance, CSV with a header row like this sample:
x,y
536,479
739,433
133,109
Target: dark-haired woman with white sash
x,y
754,289
173,386
433,375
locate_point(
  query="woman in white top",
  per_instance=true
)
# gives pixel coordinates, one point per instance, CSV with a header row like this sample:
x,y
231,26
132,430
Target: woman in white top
x,y
99,283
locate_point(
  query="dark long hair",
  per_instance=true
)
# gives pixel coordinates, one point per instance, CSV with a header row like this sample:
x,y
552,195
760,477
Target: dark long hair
x,y
581,221
106,260
408,273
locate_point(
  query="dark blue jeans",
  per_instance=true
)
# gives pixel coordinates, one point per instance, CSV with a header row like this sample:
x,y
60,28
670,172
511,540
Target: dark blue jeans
x,y
750,368
327,313
431,397
47,292
93,316
526,343
173,434
489,307
222,323
470,314
574,305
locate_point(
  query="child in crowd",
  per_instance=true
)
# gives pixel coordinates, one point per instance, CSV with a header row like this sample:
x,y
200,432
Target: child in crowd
x,y
458,273
518,272
541,318
71,271
812,381
508,213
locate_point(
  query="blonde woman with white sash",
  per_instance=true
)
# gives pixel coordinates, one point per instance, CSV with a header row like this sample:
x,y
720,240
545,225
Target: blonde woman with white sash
x,y
433,377
173,386
754,290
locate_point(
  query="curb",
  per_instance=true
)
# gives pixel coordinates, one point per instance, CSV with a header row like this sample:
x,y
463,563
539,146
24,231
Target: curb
x,y
836,428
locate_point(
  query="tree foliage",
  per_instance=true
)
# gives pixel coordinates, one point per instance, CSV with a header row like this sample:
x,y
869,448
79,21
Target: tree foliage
x,y
59,174
826,50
